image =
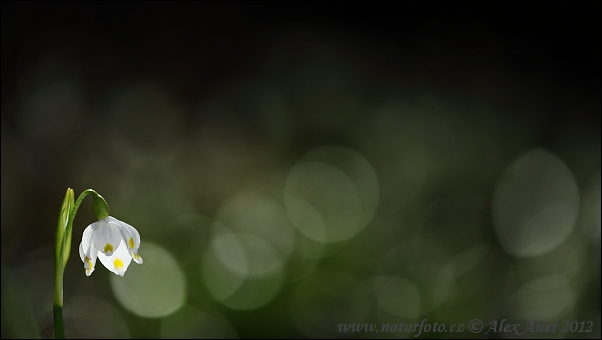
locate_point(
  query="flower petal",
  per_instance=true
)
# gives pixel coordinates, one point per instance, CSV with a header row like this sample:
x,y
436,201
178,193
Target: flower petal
x,y
87,240
119,261
137,258
87,251
130,236
89,262
81,253
106,237
93,255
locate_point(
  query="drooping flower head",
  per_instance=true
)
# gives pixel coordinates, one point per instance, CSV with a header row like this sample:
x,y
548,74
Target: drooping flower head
x,y
112,241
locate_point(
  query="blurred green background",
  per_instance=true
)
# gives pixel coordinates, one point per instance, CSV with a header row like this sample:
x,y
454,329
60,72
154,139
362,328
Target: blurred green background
x,y
294,166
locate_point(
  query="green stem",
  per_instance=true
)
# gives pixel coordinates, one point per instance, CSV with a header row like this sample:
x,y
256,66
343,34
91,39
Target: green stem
x,y
62,246
59,331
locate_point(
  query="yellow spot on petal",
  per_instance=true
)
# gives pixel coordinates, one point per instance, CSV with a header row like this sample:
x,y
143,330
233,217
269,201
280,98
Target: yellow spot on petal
x,y
118,263
131,243
108,247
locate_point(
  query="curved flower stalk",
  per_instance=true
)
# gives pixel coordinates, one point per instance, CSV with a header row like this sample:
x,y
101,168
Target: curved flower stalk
x,y
112,241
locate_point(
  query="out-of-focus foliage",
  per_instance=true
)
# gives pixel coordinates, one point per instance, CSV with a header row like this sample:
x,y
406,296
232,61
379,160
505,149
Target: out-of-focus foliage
x,y
291,167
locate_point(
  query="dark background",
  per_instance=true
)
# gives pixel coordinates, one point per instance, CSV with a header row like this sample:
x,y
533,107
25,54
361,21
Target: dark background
x,y
169,109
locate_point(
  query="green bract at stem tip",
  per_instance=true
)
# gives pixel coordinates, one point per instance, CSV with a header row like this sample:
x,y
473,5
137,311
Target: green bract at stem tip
x,y
62,242
67,237
100,206
63,238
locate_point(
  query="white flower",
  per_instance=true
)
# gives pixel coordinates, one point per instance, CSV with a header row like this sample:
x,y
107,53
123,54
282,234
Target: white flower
x,y
114,242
